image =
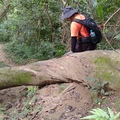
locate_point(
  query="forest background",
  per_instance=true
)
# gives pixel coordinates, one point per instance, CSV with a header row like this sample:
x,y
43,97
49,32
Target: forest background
x,y
32,29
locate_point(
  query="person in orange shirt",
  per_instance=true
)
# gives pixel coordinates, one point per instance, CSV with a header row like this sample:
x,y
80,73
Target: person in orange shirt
x,y
80,37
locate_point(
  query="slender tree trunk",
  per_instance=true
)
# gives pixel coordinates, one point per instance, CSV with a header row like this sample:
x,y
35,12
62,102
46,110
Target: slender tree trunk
x,y
4,10
50,22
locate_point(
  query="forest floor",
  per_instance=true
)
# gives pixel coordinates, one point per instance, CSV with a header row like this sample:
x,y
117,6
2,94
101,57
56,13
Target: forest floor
x,y
65,101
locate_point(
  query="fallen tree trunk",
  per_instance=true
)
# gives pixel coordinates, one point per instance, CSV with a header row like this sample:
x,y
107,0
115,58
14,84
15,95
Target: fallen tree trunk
x,y
77,67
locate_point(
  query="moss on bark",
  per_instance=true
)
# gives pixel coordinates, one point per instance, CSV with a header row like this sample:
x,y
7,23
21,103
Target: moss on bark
x,y
14,78
108,70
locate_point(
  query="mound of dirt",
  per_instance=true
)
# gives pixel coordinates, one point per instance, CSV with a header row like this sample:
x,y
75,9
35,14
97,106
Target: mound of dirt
x,y
66,101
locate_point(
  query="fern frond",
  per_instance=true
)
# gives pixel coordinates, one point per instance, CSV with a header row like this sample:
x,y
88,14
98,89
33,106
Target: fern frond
x,y
110,113
116,116
89,117
100,113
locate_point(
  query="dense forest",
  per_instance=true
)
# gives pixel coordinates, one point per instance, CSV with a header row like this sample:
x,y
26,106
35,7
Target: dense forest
x,y
33,30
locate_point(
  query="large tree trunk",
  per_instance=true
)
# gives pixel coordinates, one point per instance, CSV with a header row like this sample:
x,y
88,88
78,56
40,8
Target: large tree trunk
x,y
77,67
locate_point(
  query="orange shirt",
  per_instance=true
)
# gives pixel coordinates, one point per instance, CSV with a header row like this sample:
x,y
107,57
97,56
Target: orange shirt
x,y
77,29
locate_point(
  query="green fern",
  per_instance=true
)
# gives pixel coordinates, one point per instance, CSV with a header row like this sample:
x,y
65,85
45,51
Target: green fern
x,y
99,114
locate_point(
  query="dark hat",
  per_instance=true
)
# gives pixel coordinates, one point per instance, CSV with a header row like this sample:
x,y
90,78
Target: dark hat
x,y
68,12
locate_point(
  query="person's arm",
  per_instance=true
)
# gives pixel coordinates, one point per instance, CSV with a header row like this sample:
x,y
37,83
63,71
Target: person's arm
x,y
73,43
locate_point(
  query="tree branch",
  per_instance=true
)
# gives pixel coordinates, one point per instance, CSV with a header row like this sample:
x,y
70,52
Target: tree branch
x,y
104,25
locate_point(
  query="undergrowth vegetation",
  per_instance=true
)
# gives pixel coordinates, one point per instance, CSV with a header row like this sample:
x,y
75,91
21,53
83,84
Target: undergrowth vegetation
x,y
99,114
22,53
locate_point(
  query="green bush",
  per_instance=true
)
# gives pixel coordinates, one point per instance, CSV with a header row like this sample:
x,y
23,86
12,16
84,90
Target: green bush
x,y
20,52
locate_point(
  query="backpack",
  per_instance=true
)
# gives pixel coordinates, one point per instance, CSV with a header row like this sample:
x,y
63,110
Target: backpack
x,y
90,24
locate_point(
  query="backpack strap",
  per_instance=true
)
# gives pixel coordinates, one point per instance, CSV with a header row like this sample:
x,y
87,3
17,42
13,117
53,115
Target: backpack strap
x,y
83,22
83,40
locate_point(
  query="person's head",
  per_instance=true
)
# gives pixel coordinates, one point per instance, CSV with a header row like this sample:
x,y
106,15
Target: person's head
x,y
68,12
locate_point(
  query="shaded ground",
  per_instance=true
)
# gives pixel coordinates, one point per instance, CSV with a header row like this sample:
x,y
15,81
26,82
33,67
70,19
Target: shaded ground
x,y
66,101
53,102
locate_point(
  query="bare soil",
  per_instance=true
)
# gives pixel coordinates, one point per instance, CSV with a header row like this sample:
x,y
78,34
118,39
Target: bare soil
x,y
65,101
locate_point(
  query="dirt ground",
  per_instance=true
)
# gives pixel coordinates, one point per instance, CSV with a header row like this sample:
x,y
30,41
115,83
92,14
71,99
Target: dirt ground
x,y
65,101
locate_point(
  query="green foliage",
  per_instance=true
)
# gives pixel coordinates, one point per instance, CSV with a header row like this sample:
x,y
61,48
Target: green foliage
x,y
99,114
34,27
107,70
31,91
4,33
101,88
117,37
60,49
100,11
30,27
20,52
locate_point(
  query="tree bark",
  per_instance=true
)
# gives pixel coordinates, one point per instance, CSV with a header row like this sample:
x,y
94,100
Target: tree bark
x,y
76,67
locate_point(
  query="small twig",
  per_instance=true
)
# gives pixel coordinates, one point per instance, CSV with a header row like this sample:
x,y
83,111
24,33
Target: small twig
x,y
34,115
111,16
66,3
112,25
70,87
